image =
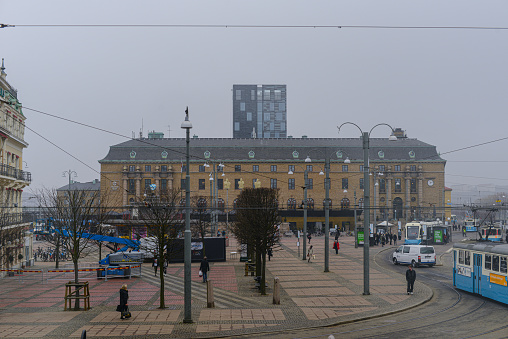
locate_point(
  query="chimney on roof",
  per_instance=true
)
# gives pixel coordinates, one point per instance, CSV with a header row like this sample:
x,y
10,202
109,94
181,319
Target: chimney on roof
x,y
399,133
2,70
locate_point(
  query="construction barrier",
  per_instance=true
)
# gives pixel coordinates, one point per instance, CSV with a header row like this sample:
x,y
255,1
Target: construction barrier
x,y
23,274
66,276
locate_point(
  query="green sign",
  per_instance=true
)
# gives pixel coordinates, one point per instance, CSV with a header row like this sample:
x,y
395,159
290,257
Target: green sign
x,y
360,237
438,236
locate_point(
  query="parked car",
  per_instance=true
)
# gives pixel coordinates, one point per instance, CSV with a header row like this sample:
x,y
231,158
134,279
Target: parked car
x,y
415,255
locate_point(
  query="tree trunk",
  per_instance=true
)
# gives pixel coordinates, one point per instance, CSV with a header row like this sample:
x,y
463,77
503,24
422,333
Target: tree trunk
x,y
76,280
57,249
160,260
263,277
258,261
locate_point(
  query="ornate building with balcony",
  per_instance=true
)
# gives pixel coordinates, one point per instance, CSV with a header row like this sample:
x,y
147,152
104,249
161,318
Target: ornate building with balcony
x,y
13,179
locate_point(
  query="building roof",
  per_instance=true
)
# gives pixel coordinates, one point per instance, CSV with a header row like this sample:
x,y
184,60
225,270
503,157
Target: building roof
x,y
290,150
82,186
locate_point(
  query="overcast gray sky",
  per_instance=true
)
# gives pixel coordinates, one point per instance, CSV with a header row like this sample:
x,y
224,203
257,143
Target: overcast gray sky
x,y
445,87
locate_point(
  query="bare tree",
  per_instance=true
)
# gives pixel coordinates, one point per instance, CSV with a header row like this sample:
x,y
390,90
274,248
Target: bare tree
x,y
200,223
103,213
71,214
257,220
162,216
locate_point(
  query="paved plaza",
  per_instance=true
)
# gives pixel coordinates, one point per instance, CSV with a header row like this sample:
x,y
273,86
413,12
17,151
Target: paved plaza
x,y
32,306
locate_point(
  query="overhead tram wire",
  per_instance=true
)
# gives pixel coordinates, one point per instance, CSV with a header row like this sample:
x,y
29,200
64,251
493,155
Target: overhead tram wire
x,y
126,137
226,165
251,26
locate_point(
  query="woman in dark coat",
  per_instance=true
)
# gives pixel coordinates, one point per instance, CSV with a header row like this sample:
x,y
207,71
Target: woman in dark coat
x,y
124,297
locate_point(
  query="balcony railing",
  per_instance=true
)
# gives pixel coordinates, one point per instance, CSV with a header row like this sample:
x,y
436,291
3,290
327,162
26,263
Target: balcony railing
x,y
15,173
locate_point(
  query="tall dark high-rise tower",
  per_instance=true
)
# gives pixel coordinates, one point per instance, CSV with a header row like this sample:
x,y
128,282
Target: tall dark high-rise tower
x,y
259,111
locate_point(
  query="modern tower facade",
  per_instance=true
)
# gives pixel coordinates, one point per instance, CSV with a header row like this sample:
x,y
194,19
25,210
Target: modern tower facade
x,y
259,111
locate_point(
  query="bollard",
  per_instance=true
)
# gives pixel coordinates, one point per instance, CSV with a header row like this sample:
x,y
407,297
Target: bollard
x,y
276,291
209,294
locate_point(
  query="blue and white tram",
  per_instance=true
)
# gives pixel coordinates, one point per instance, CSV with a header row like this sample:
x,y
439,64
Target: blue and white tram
x,y
414,233
481,268
470,225
495,233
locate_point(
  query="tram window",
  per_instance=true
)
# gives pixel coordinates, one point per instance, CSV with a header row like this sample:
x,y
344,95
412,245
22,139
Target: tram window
x,y
503,265
488,261
461,257
467,258
495,263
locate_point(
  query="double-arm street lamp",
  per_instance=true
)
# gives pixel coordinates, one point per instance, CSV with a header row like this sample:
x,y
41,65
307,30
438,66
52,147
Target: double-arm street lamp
x,y
366,199
187,125
305,184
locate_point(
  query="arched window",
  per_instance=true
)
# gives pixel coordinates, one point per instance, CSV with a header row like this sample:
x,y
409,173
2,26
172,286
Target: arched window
x,y
291,204
329,203
220,204
344,203
310,203
202,204
397,208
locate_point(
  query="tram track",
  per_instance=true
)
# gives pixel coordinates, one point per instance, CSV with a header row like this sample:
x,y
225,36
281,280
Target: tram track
x,y
456,308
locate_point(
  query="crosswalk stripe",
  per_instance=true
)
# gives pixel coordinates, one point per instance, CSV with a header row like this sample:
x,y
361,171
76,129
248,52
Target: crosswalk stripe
x,y
223,299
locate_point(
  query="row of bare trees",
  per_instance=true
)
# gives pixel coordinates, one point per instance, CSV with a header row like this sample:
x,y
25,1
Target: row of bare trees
x,y
78,213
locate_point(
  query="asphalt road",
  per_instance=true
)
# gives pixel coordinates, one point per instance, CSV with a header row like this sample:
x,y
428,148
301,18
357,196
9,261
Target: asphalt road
x,y
450,313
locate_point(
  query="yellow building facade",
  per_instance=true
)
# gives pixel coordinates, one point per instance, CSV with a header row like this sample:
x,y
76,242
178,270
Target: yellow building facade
x,y
406,175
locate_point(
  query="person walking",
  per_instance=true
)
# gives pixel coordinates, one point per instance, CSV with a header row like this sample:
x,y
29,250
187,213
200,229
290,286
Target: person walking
x,y
154,265
394,240
270,253
336,246
124,298
309,237
204,268
410,278
165,267
310,253
463,231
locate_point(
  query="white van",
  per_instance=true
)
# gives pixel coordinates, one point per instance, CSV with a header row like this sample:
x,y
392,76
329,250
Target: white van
x,y
415,255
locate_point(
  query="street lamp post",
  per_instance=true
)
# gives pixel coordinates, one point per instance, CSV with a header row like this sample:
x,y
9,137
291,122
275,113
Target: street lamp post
x,y
366,199
187,125
71,174
227,184
356,228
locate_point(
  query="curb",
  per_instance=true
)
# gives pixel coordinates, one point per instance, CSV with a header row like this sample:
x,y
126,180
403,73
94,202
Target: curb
x,y
429,291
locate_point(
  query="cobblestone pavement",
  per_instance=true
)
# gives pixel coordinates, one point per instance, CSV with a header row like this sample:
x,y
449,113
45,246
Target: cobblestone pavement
x,y
31,306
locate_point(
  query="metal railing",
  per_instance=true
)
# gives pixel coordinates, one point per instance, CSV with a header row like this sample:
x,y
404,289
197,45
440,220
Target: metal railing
x,y
15,173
